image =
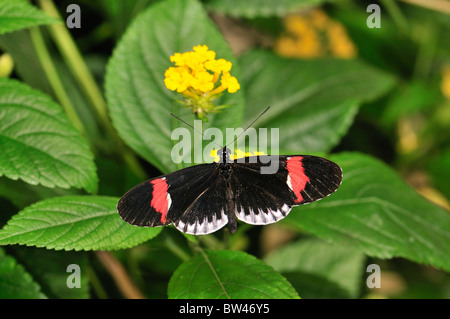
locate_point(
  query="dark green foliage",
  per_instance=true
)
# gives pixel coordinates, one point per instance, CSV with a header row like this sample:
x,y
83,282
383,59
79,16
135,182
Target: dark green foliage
x,y
60,183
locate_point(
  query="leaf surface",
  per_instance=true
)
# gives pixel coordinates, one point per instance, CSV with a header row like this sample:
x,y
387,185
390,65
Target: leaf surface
x,y
38,143
138,101
375,211
228,274
74,223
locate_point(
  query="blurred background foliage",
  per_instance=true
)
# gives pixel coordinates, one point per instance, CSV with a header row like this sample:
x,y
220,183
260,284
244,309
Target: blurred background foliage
x,y
408,128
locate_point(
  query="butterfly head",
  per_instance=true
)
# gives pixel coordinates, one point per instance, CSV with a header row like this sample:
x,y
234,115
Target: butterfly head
x,y
225,155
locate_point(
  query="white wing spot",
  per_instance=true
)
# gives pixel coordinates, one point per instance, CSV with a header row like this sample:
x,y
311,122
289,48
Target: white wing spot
x,y
203,227
263,218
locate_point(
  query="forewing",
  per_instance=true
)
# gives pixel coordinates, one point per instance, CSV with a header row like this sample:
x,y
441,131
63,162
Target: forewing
x,y
323,177
152,203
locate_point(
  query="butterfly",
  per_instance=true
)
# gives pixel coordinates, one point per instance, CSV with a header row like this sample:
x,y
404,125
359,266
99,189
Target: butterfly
x,y
202,199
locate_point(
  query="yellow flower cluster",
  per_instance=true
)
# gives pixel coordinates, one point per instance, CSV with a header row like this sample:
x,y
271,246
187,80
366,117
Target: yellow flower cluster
x,y
200,78
197,73
238,154
313,35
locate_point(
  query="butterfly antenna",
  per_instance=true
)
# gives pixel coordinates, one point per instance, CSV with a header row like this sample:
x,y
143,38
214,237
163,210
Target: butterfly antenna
x,y
200,132
251,124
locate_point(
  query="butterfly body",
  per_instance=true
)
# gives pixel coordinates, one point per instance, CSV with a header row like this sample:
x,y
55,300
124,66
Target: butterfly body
x,y
203,198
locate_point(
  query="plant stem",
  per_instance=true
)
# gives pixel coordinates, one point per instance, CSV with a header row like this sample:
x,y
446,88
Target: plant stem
x,y
54,80
437,5
76,64
428,43
396,15
96,284
171,245
211,242
119,274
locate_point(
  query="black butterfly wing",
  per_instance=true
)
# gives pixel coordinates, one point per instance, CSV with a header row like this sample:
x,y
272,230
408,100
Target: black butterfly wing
x,y
323,177
266,198
203,198
162,200
209,211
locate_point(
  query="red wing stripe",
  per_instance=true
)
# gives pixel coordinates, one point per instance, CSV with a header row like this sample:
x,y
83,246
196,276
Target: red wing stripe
x,y
297,176
159,197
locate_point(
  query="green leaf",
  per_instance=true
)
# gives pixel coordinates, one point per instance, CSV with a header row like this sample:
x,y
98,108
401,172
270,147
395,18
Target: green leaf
x,y
49,269
313,102
22,194
340,267
19,14
138,101
410,98
27,65
119,13
314,286
261,8
37,142
74,223
28,68
15,282
376,211
228,274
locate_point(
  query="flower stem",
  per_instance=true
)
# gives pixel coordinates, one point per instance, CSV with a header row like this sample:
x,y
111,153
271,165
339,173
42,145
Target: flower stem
x,y
397,15
428,43
54,80
175,248
76,64
119,274
96,284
